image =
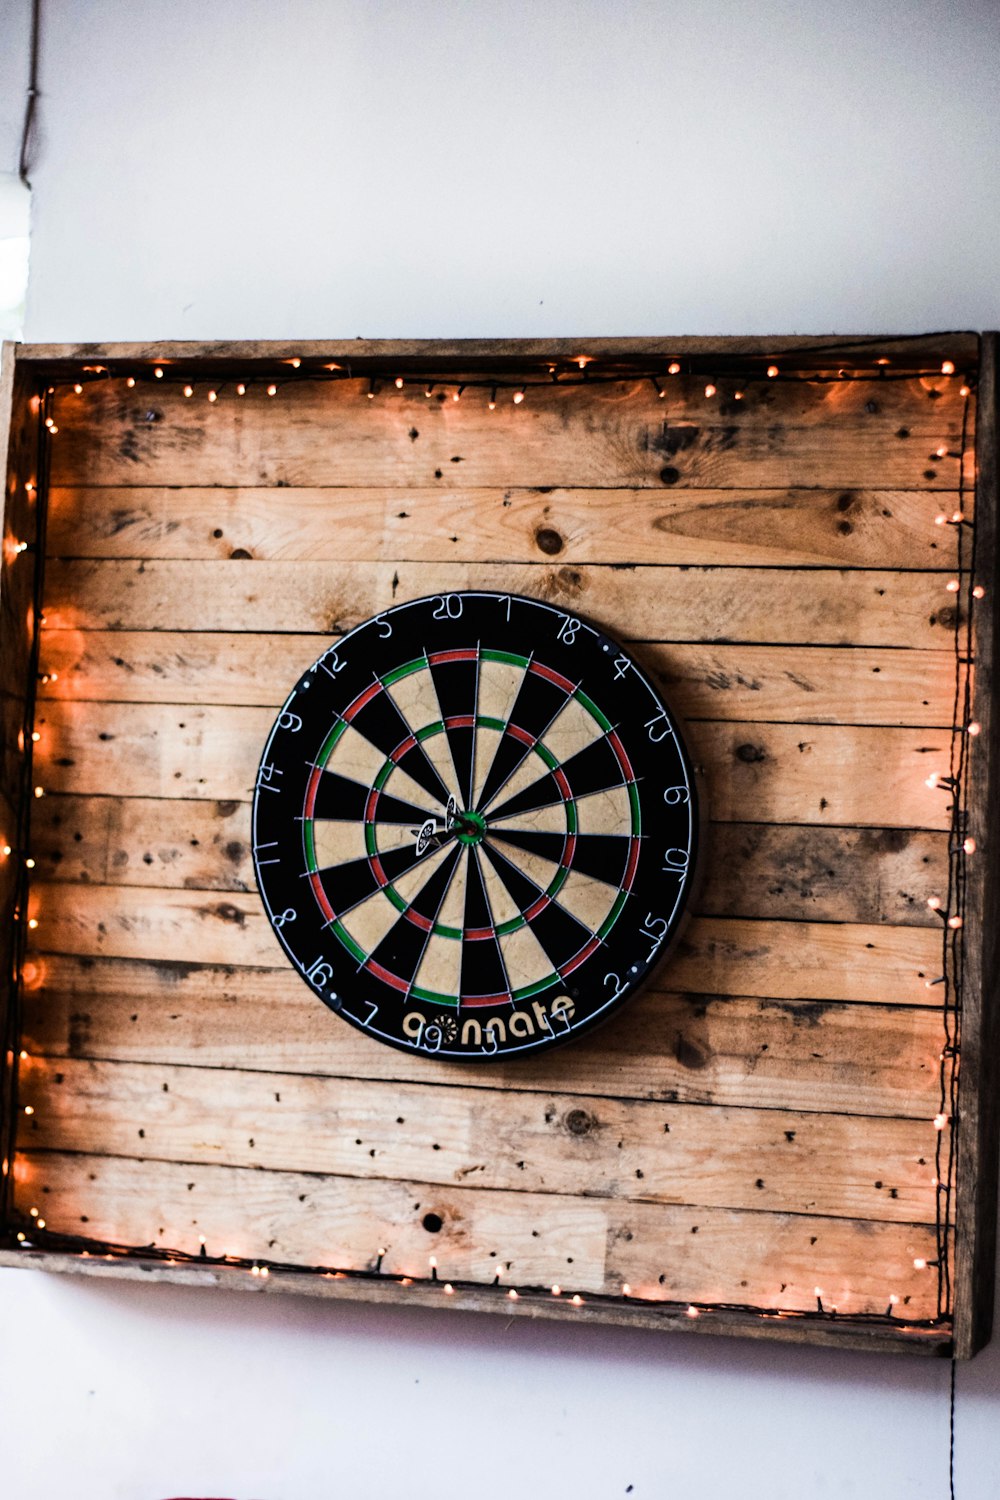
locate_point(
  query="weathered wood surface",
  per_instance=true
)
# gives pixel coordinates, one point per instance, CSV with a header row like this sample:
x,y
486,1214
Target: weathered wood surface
x,y
773,1260
979,1105
754,869
819,1330
773,1160
801,960
740,528
811,351
846,607
19,510
783,433
701,1049
784,580
785,684
783,773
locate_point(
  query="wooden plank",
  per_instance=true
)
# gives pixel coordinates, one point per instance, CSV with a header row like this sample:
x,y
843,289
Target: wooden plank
x,y
821,774
788,528
786,684
895,1337
589,1245
778,1161
979,1111
707,605
802,960
736,1050
20,529
805,351
782,433
752,869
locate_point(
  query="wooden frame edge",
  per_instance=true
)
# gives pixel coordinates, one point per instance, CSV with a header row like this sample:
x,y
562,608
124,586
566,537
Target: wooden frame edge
x,y
979,1106
839,1333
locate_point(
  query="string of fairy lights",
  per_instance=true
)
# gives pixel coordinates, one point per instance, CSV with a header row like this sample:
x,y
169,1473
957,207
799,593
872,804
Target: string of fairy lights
x,y
727,382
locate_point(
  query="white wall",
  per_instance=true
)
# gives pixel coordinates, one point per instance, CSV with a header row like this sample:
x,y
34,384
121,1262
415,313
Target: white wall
x,y
304,169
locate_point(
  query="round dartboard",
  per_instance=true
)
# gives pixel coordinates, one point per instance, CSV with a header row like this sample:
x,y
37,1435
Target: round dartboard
x,y
474,826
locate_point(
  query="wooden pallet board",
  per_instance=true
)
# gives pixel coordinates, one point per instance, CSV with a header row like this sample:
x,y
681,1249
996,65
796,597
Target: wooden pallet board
x,y
756,1124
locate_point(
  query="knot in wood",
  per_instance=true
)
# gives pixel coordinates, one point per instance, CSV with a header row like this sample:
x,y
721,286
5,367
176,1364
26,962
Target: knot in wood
x,y
580,1122
548,541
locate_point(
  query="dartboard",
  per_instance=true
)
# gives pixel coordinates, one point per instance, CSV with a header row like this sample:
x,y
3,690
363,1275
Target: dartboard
x,y
474,826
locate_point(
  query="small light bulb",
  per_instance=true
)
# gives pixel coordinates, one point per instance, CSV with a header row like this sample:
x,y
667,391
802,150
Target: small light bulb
x,y
626,1289
818,1292
448,1289
130,381
577,1300
893,1299
969,846
213,395
952,585
673,368
964,391
492,402
272,390
932,780
737,395
940,1121
33,1212
265,1271
512,1295
29,864
947,368
32,923
710,390
456,395
29,1109
934,902
189,390
6,849
693,1312
940,520
955,921
255,1270
582,361
556,1289
158,373
974,728
39,791
978,591
941,452
399,382
241,389
772,371
919,1264
21,547
429,390
35,736
23,1055
21,1236
295,363
432,1261
78,389
957,517
53,676
518,397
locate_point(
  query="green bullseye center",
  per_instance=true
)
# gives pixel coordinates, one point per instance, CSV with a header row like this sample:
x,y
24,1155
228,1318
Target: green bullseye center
x,y
469,827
